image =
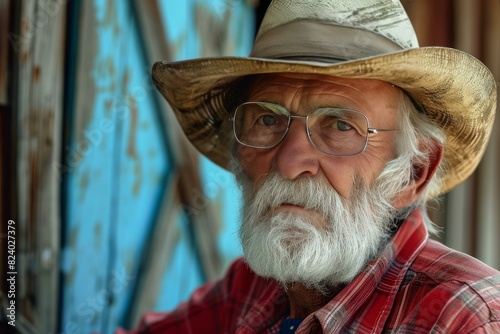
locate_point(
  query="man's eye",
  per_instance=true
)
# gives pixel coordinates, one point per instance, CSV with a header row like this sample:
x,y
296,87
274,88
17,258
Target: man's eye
x,y
343,126
268,120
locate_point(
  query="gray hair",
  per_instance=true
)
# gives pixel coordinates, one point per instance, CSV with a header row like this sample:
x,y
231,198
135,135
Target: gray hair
x,y
417,138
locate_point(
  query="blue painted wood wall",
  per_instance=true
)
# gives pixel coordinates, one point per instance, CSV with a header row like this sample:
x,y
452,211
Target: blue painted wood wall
x,y
120,161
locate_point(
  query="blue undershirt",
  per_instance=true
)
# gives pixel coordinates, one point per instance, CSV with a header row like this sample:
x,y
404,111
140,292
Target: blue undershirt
x,y
288,326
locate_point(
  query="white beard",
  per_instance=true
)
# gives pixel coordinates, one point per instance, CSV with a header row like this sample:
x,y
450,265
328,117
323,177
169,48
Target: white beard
x,y
286,245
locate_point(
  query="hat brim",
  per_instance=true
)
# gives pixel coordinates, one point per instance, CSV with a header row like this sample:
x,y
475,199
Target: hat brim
x,y
457,91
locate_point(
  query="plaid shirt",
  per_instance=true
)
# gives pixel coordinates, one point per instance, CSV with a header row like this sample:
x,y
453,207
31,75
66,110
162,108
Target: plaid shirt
x,y
416,285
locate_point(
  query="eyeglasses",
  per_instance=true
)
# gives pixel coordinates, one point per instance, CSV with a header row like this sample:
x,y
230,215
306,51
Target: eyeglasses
x,y
334,131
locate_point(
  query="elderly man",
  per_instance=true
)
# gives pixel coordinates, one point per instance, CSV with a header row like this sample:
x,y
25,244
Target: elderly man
x,y
339,129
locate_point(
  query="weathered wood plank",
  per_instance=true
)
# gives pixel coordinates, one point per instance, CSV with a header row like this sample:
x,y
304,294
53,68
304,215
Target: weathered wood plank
x,y
94,283
119,169
489,180
163,237
4,185
202,219
152,32
39,53
5,13
219,28
461,228
94,120
145,163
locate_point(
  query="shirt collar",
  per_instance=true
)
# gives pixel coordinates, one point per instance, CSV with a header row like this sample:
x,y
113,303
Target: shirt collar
x,y
378,283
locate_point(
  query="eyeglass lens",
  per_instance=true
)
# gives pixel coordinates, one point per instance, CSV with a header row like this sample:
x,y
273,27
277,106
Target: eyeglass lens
x,y
336,131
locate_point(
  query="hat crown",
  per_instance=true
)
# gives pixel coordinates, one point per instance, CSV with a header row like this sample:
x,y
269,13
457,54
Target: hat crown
x,y
339,29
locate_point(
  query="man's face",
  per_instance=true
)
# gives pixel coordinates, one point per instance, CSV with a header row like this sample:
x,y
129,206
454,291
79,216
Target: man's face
x,y
300,202
296,157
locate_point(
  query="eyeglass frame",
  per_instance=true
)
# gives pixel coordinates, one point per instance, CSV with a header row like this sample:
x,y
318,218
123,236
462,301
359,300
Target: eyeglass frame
x,y
369,130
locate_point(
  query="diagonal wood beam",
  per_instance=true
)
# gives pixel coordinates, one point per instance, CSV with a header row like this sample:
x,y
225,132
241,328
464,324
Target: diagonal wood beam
x,y
182,194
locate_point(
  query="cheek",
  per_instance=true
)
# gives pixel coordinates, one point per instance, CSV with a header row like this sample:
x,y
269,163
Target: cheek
x,y
255,162
245,155
339,173
374,159
342,173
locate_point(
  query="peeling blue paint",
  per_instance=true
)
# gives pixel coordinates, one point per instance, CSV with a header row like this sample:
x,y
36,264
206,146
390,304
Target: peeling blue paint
x,y
119,163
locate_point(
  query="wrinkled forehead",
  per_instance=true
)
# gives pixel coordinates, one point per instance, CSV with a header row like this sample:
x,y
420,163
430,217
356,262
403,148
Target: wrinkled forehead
x,y
317,83
298,91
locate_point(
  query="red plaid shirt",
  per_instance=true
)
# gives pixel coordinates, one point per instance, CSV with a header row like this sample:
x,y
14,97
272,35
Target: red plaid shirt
x,y
416,285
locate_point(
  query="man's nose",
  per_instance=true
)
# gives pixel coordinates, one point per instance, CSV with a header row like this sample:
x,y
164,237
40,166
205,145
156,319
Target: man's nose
x,y
295,155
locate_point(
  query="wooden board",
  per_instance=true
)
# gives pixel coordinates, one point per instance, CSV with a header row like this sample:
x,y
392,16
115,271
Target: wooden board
x,y
118,167
139,228
5,13
39,53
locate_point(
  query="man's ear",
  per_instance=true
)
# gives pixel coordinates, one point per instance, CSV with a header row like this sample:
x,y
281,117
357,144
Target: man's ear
x,y
421,176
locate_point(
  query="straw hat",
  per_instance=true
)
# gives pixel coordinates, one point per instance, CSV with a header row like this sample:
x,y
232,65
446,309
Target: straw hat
x,y
365,39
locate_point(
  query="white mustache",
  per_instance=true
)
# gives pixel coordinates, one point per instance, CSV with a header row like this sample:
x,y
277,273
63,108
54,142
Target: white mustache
x,y
309,193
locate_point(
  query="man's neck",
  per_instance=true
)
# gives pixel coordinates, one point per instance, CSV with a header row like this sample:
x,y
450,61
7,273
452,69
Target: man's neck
x,y
304,301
